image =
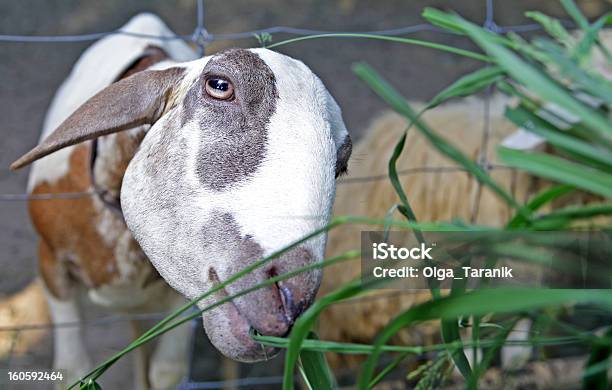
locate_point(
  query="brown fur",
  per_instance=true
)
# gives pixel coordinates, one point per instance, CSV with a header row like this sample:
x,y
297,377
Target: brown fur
x,y
67,233
71,246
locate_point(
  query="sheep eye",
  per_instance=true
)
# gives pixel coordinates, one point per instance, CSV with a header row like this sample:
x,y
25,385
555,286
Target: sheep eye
x,y
219,88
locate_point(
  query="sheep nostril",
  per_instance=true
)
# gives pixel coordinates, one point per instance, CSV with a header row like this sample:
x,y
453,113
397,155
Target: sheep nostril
x,y
291,300
289,307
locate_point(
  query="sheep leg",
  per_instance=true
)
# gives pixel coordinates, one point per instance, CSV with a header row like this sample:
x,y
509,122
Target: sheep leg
x,y
141,356
513,357
516,356
170,361
69,352
231,372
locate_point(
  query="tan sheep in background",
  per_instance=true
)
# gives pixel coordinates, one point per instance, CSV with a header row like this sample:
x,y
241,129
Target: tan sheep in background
x,y
434,196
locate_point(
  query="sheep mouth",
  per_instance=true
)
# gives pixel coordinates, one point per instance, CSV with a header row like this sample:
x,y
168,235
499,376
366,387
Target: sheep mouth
x,y
240,328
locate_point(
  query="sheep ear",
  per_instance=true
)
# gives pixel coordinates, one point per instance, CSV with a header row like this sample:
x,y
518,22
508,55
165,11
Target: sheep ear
x,y
131,102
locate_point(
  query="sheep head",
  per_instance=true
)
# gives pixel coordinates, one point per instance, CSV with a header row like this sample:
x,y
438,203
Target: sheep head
x,y
240,160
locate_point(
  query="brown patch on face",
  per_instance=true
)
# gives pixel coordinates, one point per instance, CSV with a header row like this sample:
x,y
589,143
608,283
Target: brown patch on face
x,y
238,127
72,247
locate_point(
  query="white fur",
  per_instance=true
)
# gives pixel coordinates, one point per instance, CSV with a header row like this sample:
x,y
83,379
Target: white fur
x,y
70,353
300,142
170,361
516,356
274,206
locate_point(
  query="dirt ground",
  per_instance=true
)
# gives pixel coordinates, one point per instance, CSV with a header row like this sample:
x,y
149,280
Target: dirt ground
x,y
31,72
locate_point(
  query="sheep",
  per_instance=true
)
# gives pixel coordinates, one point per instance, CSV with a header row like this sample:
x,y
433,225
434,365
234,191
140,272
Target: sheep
x,y
434,196
200,168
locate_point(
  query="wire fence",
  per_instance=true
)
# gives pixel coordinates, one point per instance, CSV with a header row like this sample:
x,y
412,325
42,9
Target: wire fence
x,y
201,37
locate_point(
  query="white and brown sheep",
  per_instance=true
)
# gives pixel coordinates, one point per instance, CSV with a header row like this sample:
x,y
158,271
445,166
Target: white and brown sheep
x,y
200,168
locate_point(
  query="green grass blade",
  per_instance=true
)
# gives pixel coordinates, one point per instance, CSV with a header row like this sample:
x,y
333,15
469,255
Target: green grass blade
x,y
399,104
595,374
583,49
315,368
553,27
450,330
90,385
468,84
479,302
475,338
404,208
591,82
531,77
304,377
524,118
579,212
450,335
593,35
546,196
558,169
304,324
572,9
390,367
366,349
442,19
481,368
417,42
577,130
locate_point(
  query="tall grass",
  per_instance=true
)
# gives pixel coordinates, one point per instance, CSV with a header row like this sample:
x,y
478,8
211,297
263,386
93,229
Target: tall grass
x,y
550,75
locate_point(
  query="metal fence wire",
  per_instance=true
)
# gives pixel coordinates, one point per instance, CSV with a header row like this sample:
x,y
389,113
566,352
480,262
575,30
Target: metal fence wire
x,y
201,37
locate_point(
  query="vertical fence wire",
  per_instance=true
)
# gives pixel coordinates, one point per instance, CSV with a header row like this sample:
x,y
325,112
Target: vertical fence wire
x,y
483,158
200,35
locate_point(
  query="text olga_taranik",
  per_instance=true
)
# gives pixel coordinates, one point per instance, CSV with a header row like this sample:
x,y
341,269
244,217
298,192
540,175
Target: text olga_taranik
x,y
423,252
